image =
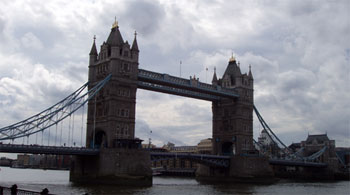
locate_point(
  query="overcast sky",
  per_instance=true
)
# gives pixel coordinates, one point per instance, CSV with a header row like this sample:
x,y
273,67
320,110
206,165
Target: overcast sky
x,y
299,52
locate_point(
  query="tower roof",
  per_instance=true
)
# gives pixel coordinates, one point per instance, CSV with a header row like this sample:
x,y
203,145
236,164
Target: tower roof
x,y
215,78
134,46
232,68
115,38
250,75
93,48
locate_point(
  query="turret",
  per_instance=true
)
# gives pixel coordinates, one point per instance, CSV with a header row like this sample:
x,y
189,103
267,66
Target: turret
x,y
93,53
135,49
215,79
250,75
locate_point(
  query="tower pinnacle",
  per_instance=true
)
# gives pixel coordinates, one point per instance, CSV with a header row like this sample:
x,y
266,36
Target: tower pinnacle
x,y
115,24
232,58
93,50
134,46
250,72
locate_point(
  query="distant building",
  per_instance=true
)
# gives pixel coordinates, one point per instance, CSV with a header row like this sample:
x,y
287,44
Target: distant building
x,y
295,147
5,161
23,160
184,149
205,146
268,146
264,138
176,163
315,143
149,146
168,146
42,161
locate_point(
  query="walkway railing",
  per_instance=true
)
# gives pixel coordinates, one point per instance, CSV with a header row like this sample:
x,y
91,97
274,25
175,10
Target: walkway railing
x,y
188,84
15,191
36,149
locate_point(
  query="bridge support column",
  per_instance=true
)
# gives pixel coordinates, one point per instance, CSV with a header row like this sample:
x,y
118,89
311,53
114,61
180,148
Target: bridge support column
x,y
115,166
242,169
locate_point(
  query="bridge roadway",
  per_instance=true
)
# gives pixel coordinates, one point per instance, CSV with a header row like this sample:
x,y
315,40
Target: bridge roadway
x,y
211,160
58,150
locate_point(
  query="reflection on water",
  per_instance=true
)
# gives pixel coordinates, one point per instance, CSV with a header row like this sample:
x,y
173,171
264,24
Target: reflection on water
x,y
58,183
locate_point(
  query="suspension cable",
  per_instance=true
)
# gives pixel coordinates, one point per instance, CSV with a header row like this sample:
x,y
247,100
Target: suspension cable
x,y
48,140
61,134
70,117
82,126
72,138
42,138
93,136
56,131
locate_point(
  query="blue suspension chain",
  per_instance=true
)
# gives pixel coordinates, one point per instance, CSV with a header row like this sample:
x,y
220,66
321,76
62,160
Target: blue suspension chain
x,y
56,131
82,126
48,140
70,117
61,134
72,137
42,138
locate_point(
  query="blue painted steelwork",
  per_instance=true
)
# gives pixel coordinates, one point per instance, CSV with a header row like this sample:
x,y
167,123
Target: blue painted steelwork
x,y
315,155
192,85
52,115
296,163
211,160
288,155
271,134
58,150
176,91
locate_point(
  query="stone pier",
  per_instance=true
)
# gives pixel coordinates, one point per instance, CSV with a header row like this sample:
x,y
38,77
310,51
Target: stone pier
x,y
114,166
242,169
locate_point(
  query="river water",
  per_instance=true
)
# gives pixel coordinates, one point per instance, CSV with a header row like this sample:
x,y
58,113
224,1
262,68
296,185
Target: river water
x,y
58,183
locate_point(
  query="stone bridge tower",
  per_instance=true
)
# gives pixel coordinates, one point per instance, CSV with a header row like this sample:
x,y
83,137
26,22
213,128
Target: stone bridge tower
x,y
233,118
113,119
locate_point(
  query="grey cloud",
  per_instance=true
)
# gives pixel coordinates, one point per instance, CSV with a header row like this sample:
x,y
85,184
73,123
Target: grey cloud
x,y
144,131
302,8
193,113
2,25
144,16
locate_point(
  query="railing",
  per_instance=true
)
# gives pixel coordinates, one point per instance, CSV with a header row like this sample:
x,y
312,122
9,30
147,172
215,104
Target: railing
x,y
213,160
188,84
36,149
177,91
15,190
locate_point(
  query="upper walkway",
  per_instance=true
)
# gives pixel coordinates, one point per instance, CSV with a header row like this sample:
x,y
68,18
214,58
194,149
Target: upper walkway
x,y
184,87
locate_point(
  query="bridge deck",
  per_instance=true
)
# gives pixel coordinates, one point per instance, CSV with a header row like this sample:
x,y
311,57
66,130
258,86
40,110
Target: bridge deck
x,y
297,163
214,160
36,149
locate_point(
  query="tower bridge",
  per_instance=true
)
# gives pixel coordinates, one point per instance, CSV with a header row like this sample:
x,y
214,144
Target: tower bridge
x,y
112,153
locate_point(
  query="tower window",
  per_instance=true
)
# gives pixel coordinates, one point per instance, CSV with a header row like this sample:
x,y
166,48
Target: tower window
x,y
126,68
126,53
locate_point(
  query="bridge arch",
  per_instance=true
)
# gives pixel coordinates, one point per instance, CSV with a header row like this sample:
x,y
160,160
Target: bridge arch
x,y
228,148
101,139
